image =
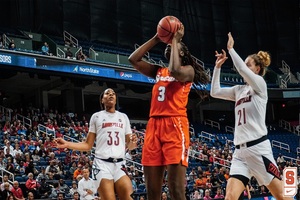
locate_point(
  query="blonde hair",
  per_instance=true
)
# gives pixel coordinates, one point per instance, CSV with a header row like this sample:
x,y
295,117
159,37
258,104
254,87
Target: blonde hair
x,y
262,59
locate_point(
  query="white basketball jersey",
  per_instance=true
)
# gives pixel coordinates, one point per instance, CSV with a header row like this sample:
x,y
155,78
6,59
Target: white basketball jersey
x,y
110,130
250,112
250,101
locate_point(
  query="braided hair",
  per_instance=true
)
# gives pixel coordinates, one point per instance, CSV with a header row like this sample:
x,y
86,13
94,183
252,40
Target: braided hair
x,y
201,77
100,100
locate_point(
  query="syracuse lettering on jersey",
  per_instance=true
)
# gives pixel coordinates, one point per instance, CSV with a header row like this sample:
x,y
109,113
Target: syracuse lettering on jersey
x,y
110,124
165,78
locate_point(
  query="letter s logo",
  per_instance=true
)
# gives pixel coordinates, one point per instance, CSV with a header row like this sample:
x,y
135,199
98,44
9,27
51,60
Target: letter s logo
x,y
290,180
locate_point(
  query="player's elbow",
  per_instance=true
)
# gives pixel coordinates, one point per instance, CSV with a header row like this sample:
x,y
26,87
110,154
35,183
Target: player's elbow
x,y
130,59
179,76
174,73
86,146
213,93
133,60
89,147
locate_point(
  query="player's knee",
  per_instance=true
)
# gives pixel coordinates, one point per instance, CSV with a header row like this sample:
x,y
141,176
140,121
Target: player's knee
x,y
177,191
132,195
176,195
153,192
279,196
153,195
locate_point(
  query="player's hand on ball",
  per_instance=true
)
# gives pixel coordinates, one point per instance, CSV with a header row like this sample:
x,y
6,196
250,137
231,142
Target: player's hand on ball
x,y
180,33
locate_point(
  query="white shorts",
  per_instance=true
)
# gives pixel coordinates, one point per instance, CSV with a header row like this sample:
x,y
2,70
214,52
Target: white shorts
x,y
257,161
107,170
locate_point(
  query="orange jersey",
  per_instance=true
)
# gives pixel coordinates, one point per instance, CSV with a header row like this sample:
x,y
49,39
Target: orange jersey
x,y
169,96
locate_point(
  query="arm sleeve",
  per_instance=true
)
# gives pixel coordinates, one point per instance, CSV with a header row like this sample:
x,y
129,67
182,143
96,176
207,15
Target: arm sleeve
x,y
216,90
257,82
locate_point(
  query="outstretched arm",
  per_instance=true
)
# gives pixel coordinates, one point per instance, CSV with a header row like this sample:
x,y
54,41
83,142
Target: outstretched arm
x,y
179,72
80,146
257,83
136,58
216,90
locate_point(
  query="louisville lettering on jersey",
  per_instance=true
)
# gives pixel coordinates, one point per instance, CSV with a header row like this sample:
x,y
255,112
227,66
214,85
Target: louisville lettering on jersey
x,y
243,100
110,124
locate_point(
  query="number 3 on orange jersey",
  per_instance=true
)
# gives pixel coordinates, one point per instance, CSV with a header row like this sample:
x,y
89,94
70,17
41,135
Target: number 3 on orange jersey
x,y
162,92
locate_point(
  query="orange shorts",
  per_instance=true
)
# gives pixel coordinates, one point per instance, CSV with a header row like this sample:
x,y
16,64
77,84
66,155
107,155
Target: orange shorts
x,y
166,141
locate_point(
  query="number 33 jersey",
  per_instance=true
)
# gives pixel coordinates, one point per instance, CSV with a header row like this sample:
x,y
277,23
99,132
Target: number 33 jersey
x,y
110,130
169,96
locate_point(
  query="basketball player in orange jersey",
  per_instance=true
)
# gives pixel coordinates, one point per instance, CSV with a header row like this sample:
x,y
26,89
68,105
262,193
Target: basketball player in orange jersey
x,y
167,134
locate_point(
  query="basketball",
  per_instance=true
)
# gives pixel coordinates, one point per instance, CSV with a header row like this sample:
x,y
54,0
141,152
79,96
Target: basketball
x,y
166,28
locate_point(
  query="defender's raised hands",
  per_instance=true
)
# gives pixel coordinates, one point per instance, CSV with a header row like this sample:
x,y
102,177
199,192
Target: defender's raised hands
x,y
230,42
221,58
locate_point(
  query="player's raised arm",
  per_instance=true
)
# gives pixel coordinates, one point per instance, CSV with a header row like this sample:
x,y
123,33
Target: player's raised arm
x,y
137,61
